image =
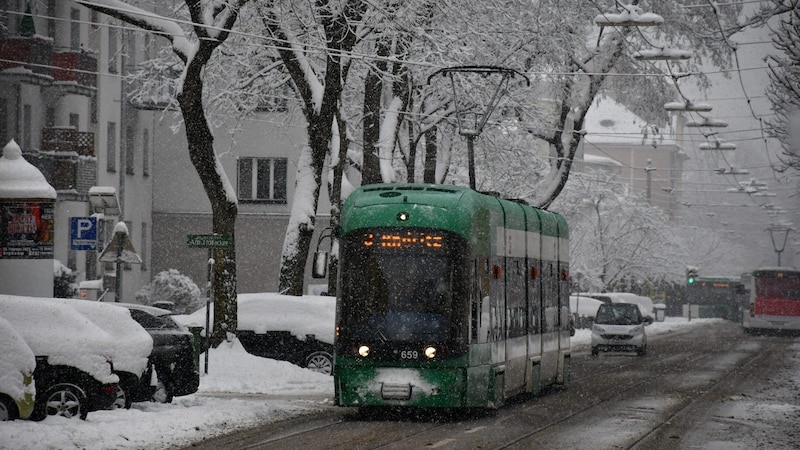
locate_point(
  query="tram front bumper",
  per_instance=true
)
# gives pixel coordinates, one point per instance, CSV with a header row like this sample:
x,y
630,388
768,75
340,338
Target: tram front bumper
x,y
400,386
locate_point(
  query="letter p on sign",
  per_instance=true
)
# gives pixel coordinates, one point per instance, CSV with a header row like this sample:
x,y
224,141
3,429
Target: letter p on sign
x,y
83,233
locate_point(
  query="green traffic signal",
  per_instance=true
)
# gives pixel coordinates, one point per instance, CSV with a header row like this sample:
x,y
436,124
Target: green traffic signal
x,y
690,280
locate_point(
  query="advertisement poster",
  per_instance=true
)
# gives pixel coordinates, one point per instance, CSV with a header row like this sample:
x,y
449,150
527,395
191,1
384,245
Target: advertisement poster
x,y
26,230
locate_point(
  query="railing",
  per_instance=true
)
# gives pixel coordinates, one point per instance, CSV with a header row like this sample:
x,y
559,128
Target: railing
x,y
68,140
80,67
33,53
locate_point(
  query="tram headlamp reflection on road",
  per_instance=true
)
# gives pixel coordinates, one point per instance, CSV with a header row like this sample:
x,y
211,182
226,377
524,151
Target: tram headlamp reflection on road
x,y
430,352
363,350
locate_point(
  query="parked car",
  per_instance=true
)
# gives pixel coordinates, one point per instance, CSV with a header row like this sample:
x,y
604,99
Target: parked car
x,y
584,308
74,370
619,327
284,327
17,363
132,347
172,359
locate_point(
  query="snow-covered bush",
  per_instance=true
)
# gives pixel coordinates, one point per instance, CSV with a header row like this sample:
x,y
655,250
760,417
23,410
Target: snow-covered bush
x,y
64,285
172,288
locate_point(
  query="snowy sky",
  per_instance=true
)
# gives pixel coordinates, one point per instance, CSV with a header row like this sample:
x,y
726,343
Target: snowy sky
x,y
239,391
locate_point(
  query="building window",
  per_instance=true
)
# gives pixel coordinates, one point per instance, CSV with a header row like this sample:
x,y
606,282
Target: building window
x,y
75,29
129,224
262,180
130,150
143,248
146,152
51,21
93,110
75,121
112,51
3,121
27,130
111,148
50,117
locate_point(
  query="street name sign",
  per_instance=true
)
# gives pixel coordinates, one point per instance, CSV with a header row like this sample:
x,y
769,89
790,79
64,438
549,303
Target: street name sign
x,y
210,240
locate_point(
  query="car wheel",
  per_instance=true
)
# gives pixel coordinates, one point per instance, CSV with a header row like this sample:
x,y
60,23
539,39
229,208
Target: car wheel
x,y
65,400
8,409
595,351
123,399
321,362
162,394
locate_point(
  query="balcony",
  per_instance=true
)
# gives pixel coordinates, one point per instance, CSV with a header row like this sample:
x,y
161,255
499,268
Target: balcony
x,y
28,59
75,72
68,140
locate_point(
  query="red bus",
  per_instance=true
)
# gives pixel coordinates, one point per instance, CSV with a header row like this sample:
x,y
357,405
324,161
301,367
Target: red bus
x,y
774,299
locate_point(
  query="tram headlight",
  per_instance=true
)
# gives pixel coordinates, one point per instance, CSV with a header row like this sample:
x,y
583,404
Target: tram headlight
x,y
363,350
430,351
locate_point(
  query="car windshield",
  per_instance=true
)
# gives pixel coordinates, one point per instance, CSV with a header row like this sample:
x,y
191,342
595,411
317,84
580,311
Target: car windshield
x,y
618,314
151,322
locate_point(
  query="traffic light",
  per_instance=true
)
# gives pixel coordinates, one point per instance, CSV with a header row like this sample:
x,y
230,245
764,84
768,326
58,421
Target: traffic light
x,y
691,274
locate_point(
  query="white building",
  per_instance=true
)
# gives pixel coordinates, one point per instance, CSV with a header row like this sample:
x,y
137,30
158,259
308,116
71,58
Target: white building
x,y
62,98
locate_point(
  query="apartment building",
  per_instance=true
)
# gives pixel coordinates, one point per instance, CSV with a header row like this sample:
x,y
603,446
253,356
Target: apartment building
x,y
63,99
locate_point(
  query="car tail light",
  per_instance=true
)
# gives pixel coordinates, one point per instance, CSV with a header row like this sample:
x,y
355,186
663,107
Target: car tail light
x,y
110,389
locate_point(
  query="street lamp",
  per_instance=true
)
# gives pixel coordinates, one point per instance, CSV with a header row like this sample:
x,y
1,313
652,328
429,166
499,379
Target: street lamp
x,y
631,16
662,54
688,106
778,245
706,122
717,145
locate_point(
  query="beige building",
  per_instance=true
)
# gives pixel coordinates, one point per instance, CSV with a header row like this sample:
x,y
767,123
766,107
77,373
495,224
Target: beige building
x,y
259,156
650,161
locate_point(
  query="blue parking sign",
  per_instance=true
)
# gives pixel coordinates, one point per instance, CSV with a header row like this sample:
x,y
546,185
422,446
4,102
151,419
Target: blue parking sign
x,y
83,233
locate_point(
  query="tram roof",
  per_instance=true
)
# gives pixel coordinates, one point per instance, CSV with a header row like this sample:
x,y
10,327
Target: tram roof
x,y
457,208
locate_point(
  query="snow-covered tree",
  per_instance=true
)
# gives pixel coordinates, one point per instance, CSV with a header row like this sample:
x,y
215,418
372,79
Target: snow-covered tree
x,y
614,235
209,26
784,88
64,285
172,288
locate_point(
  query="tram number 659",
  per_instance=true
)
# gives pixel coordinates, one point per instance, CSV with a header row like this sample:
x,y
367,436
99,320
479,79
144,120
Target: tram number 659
x,y
409,354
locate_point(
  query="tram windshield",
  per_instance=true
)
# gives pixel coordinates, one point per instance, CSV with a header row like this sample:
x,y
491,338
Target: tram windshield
x,y
411,288
787,288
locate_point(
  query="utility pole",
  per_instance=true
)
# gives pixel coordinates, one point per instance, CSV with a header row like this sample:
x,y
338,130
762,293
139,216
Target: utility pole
x,y
649,170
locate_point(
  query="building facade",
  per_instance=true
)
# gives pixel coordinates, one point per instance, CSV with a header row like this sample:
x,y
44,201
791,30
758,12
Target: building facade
x,y
648,160
63,98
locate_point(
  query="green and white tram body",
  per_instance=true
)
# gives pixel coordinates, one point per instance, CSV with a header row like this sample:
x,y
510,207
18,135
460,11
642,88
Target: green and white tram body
x,y
448,298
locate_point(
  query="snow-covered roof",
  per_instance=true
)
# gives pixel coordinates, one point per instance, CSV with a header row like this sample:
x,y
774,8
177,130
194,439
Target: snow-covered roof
x,y
609,121
19,178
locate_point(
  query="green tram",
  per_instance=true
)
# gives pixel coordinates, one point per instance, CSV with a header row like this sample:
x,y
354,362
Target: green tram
x,y
448,298
715,297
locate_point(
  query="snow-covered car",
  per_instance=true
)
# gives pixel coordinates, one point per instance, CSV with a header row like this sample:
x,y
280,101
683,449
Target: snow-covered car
x,y
619,327
74,369
284,327
172,359
132,347
17,363
584,308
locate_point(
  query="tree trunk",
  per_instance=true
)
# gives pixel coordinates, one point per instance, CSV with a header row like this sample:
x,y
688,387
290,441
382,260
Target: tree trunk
x,y
429,175
373,93
224,211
